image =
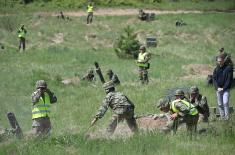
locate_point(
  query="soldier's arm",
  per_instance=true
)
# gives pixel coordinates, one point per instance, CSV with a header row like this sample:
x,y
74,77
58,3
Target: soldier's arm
x,y
53,98
36,96
183,109
103,108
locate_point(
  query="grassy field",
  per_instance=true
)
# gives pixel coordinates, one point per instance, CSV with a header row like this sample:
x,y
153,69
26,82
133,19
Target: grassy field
x,y
59,49
46,5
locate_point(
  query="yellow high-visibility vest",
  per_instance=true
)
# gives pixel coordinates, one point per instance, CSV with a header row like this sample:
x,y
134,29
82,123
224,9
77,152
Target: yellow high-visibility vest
x,y
21,33
141,60
89,8
193,110
42,108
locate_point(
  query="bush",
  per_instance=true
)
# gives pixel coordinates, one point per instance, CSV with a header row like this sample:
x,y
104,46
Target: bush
x,y
126,46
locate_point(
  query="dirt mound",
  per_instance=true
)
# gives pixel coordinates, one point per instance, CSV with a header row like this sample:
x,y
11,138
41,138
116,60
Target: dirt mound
x,y
146,123
58,38
151,123
196,71
74,80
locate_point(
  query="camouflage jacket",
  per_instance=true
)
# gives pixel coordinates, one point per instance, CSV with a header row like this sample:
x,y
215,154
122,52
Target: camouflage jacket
x,y
115,79
37,94
89,77
183,109
118,102
200,102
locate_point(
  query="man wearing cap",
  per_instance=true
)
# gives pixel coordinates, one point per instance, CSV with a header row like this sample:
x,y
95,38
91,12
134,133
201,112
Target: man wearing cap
x,y
90,76
180,108
222,79
41,99
121,106
113,77
143,64
200,102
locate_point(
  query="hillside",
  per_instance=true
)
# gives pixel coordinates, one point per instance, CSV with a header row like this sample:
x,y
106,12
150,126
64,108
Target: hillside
x,y
58,50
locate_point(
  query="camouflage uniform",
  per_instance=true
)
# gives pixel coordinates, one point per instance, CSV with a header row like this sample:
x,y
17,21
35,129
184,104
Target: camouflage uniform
x,y
90,76
142,15
200,102
113,77
186,112
42,125
143,64
122,109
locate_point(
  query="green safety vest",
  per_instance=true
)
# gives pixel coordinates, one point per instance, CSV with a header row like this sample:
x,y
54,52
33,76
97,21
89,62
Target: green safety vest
x,y
21,33
193,110
141,60
42,108
89,8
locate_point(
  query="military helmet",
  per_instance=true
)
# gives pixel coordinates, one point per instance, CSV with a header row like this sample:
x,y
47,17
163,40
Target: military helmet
x,y
108,85
41,84
221,49
142,47
109,71
194,89
162,103
179,92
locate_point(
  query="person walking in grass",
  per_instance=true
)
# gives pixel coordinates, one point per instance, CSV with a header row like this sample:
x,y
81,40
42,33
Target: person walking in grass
x,y
222,79
143,64
42,98
21,35
90,8
121,106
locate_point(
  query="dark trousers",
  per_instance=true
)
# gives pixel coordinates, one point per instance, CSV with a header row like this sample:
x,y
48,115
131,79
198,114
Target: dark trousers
x,y
22,43
89,17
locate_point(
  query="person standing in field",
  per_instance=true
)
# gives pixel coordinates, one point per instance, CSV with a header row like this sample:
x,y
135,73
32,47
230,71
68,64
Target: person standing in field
x,y
21,35
222,79
42,98
90,8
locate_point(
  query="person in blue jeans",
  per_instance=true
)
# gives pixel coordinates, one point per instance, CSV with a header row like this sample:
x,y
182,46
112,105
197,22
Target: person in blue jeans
x,y
222,79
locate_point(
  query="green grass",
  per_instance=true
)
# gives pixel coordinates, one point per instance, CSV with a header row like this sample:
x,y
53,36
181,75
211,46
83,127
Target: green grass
x,y
55,5
196,43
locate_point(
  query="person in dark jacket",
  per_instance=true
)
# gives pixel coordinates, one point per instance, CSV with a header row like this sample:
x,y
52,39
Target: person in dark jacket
x,y
222,78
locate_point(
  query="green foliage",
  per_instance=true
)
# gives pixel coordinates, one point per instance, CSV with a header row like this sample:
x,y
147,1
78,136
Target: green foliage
x,y
126,45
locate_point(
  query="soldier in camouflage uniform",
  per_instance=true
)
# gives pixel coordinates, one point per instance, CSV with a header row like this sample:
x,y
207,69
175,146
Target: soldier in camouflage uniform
x,y
41,99
182,110
142,15
121,106
200,102
90,76
142,63
113,77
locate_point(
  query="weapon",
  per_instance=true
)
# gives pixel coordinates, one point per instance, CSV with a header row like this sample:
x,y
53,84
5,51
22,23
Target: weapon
x,y
93,122
14,124
99,72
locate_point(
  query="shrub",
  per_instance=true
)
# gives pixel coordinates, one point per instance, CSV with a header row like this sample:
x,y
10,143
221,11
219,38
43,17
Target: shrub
x,y
126,46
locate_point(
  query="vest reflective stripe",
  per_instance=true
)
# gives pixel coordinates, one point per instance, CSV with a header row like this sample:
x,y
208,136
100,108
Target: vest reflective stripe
x,y
42,108
21,33
89,8
193,110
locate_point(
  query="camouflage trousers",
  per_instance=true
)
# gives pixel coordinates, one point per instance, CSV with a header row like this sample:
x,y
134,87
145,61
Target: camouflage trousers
x,y
116,118
41,126
191,123
143,75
